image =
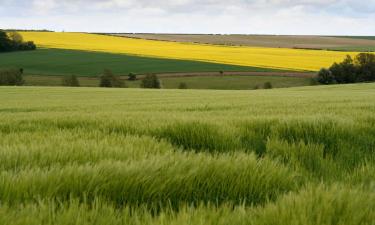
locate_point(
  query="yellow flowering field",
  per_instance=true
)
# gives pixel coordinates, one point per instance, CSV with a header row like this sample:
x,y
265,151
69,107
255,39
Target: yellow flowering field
x,y
280,58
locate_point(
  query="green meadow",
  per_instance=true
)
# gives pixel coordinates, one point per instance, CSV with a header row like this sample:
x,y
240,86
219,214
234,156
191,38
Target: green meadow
x,y
302,155
83,63
46,67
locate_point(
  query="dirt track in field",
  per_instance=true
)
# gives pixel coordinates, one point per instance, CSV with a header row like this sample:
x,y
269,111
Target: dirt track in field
x,y
276,41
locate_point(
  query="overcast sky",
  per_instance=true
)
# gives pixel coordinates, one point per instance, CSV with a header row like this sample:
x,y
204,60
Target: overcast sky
x,y
326,17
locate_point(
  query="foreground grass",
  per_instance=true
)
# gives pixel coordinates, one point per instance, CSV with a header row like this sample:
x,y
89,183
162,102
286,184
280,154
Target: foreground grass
x,y
197,82
314,205
133,156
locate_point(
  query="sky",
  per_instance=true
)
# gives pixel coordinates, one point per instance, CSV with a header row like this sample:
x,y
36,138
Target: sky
x,y
300,17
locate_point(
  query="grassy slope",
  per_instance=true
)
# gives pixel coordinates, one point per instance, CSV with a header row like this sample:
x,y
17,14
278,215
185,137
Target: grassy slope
x,y
92,155
198,82
60,62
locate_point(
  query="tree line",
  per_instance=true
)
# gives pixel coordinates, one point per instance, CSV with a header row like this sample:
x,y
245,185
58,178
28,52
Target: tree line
x,y
14,77
361,68
13,41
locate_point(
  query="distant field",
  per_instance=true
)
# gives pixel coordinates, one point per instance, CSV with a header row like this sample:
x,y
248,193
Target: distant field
x,y
355,48
358,37
84,63
278,41
195,82
275,58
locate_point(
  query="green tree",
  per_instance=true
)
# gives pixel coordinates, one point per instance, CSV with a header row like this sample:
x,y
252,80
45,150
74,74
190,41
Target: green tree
x,y
359,69
14,42
267,85
70,81
132,76
5,43
182,85
151,81
344,72
365,63
325,77
15,37
11,77
108,79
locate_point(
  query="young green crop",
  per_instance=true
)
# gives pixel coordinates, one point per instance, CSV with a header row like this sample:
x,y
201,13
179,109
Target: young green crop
x,y
115,156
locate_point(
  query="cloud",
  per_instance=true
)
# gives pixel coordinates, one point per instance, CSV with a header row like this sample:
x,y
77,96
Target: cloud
x,y
194,16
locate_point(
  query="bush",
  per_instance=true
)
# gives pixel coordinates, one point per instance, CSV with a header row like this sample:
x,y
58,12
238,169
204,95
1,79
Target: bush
x,y
325,76
132,76
108,79
267,85
182,85
27,46
151,81
11,77
70,81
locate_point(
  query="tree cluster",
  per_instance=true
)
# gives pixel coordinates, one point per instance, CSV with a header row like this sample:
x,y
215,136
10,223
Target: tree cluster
x,y
108,79
11,77
359,69
14,42
151,81
70,81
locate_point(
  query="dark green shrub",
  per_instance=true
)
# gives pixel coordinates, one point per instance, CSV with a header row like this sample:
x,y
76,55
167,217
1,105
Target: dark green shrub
x,y
366,66
344,72
11,77
27,46
108,79
14,42
5,43
151,81
325,76
182,85
70,81
132,76
267,85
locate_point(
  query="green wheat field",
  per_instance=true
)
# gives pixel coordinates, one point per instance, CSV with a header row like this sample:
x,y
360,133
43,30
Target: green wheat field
x,y
303,155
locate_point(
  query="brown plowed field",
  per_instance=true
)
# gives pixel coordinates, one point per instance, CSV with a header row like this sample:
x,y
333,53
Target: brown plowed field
x,y
278,41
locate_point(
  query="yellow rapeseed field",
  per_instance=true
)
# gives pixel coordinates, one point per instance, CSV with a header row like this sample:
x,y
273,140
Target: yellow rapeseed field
x,y
282,58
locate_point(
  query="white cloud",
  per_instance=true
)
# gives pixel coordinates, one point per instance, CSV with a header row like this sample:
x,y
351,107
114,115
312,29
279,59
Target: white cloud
x,y
196,16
